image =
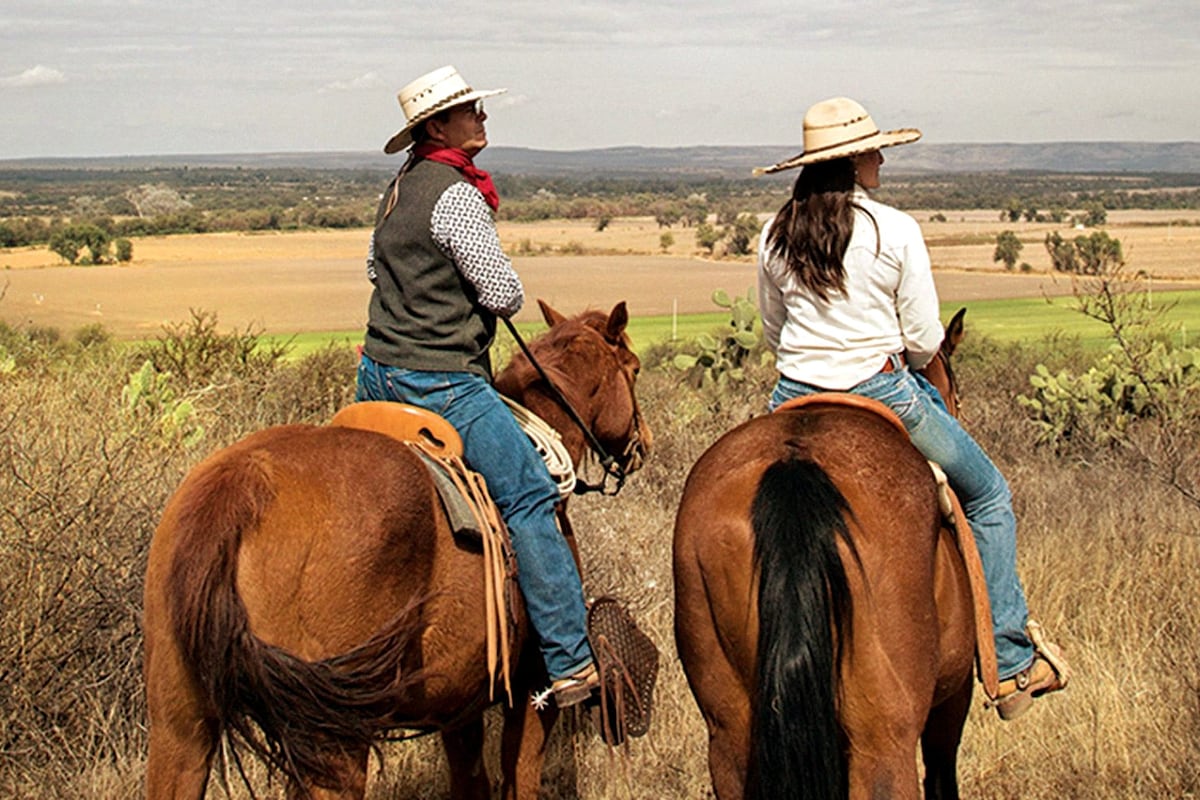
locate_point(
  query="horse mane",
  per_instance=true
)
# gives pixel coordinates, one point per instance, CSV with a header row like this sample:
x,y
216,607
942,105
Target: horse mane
x,y
553,349
298,716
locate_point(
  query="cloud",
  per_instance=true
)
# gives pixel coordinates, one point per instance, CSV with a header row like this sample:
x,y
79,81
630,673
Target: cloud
x,y
369,80
34,76
508,100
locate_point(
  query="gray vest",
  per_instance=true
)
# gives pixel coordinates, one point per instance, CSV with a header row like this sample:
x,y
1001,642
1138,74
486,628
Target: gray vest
x,y
423,314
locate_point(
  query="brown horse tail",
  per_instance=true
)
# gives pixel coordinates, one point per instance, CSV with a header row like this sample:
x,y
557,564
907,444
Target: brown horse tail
x,y
796,747
298,716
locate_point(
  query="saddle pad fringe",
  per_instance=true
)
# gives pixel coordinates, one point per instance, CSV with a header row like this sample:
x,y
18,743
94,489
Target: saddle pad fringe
x,y
497,558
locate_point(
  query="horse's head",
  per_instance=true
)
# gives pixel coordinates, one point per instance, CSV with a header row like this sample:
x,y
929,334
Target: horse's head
x,y
589,360
939,372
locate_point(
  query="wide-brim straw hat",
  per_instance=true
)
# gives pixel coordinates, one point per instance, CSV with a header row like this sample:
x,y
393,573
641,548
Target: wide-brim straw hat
x,y
840,127
428,95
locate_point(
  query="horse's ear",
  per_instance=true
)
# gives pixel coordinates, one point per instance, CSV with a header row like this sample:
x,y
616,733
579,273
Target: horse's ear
x,y
954,332
618,318
551,316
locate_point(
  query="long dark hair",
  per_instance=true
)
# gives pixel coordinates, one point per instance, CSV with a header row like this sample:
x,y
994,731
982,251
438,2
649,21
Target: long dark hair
x,y
812,230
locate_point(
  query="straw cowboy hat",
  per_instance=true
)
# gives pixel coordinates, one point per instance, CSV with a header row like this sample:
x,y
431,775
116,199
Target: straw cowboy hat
x,y
839,127
428,95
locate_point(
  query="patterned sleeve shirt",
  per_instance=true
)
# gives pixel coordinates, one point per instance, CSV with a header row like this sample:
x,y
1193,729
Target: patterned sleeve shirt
x,y
463,227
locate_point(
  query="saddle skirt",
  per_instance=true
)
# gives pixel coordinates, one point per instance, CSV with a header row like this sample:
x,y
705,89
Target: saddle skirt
x,y
956,521
470,511
433,438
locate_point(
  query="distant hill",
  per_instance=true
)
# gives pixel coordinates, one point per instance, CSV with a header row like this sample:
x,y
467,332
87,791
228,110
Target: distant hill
x,y
1177,157
732,162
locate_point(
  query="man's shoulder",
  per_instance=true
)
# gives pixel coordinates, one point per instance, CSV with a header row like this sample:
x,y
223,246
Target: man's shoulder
x,y
434,171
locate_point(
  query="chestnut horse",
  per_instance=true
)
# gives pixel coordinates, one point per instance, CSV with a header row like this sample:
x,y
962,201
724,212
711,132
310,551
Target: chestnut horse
x,y
822,609
305,594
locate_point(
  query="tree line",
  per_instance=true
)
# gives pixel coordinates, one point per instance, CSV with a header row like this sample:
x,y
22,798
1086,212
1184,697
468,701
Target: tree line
x,y
38,205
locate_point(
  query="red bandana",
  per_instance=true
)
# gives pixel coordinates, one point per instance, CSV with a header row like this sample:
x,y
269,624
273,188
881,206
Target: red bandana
x,y
454,157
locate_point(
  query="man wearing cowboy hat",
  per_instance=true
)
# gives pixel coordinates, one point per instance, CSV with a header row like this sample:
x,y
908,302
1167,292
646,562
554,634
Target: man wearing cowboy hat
x,y
441,279
848,304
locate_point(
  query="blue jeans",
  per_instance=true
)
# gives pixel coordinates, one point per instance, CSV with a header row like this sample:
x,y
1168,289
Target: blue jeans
x,y
980,487
517,479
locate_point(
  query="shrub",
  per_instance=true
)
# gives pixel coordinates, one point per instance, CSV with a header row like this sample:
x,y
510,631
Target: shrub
x,y
1094,254
1142,396
93,335
707,236
196,352
742,233
124,250
1008,249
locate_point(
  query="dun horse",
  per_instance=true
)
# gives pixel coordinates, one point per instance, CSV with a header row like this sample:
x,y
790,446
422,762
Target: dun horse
x,y
305,593
822,610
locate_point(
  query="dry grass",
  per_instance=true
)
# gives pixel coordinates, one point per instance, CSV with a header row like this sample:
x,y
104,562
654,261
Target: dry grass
x,y
1107,559
1107,555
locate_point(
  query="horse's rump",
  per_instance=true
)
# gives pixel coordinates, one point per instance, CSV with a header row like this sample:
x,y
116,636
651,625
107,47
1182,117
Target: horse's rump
x,y
300,585
783,520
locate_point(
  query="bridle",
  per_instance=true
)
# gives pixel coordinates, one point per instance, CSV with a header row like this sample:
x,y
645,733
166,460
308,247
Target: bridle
x,y
612,467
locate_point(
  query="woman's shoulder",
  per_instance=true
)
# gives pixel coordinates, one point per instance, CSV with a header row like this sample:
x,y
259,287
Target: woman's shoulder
x,y
889,216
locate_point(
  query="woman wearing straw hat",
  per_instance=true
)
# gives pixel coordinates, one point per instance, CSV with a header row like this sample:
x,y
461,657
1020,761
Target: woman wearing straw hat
x,y
441,279
848,304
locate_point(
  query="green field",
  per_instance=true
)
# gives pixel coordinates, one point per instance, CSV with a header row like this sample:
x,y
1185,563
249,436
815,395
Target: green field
x,y
1002,320
1033,319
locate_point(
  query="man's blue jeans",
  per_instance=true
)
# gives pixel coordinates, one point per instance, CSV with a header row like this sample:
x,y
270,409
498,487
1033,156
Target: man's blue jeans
x,y
980,487
517,479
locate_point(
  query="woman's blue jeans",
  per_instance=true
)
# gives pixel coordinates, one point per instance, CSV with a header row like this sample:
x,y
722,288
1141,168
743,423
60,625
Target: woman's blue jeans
x,y
517,479
980,487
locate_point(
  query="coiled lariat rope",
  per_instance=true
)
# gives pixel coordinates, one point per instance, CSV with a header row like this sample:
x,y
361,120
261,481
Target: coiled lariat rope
x,y
548,442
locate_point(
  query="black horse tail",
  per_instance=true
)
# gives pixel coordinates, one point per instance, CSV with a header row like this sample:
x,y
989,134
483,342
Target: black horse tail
x,y
300,717
797,747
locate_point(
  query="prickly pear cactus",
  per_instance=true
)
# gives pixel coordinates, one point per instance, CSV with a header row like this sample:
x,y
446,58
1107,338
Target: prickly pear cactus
x,y
1099,405
722,355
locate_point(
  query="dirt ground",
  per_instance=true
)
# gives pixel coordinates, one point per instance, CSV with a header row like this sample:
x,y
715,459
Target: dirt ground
x,y
316,281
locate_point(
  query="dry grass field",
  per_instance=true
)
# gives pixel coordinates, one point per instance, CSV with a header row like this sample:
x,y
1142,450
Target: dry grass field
x,y
1107,551
1107,556
315,281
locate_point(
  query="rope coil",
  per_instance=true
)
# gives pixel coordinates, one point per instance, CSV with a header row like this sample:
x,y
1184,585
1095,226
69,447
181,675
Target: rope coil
x,y
547,441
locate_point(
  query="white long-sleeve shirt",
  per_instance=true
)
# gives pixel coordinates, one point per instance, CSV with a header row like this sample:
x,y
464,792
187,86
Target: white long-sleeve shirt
x,y
889,305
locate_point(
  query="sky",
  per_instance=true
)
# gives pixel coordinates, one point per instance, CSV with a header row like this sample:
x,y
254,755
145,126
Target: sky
x,y
157,77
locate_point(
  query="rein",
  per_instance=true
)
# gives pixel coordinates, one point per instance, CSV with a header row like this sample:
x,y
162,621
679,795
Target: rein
x,y
609,463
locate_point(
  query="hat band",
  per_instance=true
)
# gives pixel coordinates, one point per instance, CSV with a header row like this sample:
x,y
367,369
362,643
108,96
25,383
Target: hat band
x,y
445,102
835,145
